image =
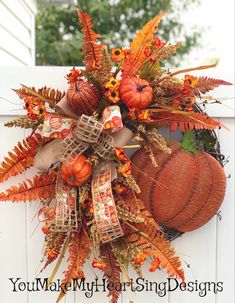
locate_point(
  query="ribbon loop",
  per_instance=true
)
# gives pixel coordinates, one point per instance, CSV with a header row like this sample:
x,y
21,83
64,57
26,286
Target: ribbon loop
x,y
105,212
66,216
88,129
104,148
71,145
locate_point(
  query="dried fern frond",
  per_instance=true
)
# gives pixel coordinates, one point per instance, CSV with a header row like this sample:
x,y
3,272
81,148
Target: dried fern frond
x,y
79,250
112,271
20,158
145,240
91,50
41,187
185,121
22,122
45,94
205,84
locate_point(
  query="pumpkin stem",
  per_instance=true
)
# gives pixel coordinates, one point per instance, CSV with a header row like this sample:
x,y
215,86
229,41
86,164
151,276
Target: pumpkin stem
x,y
188,142
77,88
141,87
72,178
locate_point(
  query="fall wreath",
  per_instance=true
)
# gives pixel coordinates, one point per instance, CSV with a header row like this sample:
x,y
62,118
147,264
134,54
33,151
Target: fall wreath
x,y
96,200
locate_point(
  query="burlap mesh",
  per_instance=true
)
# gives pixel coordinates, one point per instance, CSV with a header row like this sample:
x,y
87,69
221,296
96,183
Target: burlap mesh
x,y
104,148
87,131
66,216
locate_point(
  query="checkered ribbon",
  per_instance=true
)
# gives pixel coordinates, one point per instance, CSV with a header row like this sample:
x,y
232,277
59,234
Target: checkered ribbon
x,y
105,211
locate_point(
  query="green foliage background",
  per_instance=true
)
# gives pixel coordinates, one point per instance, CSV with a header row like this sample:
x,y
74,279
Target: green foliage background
x,y
58,33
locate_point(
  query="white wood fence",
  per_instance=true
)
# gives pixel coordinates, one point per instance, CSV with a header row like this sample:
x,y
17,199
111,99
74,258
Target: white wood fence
x,y
209,250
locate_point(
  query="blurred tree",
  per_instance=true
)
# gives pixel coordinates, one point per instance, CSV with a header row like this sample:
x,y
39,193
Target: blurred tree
x,y
58,32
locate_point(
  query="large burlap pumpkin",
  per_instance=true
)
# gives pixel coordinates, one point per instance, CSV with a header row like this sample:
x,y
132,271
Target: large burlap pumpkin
x,y
185,190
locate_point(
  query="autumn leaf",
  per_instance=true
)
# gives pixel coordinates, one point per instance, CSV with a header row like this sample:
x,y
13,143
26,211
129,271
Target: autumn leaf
x,y
142,40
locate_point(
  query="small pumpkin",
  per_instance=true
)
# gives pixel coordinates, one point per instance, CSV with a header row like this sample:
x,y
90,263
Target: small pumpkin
x,y
76,170
135,92
82,97
186,189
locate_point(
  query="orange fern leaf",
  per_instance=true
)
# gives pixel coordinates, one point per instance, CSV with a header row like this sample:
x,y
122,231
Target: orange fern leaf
x,y
142,40
41,187
112,271
45,94
135,205
79,250
91,50
20,158
205,84
166,255
53,241
146,240
185,121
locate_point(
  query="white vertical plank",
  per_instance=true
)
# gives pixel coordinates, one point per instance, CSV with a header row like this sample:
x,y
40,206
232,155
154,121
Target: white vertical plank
x,y
197,249
225,229
149,288
13,252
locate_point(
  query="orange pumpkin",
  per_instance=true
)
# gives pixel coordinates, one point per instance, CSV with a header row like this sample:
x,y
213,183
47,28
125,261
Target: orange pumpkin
x,y
76,170
82,97
185,191
135,92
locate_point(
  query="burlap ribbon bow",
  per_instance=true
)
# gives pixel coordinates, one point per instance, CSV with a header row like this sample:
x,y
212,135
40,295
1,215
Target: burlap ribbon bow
x,y
79,134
